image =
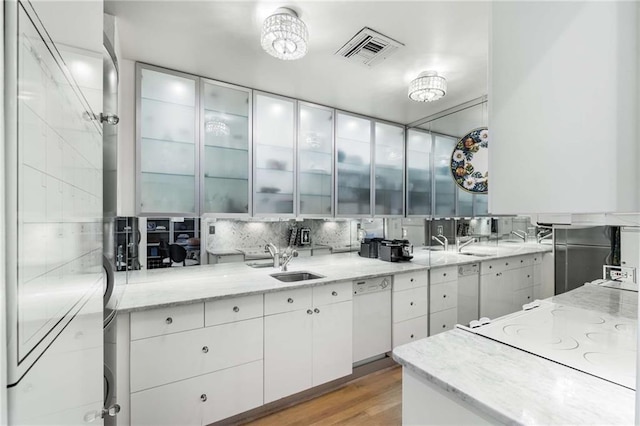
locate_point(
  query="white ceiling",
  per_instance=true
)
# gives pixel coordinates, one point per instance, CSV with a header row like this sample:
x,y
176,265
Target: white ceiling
x,y
221,40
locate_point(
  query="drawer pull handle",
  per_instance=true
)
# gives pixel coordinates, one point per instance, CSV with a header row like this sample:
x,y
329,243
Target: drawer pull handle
x,y
411,279
236,309
411,303
506,263
290,300
444,296
334,293
309,311
169,320
316,310
412,336
528,276
521,261
205,349
203,397
490,267
445,274
444,325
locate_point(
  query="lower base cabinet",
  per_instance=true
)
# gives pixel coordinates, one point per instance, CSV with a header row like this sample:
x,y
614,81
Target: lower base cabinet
x,y
201,400
410,330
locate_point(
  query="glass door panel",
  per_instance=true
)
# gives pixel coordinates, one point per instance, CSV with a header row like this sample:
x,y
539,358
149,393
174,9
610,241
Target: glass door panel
x,y
274,155
445,186
389,169
465,203
353,147
418,173
226,126
315,160
167,142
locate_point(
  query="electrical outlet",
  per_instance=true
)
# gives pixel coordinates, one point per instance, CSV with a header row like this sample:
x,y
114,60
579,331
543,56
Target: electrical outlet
x,y
212,229
440,230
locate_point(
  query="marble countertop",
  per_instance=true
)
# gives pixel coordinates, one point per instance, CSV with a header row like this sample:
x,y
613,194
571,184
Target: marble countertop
x,y
516,387
154,288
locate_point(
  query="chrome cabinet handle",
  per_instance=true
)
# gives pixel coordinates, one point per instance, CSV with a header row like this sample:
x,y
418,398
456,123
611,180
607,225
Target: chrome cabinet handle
x,y
334,293
290,300
236,309
309,311
205,349
169,320
203,397
316,310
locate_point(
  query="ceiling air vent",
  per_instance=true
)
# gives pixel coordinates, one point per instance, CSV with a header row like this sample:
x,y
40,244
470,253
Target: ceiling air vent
x,y
369,47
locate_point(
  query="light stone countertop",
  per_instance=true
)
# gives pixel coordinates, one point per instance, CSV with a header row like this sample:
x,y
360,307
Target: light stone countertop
x,y
516,387
177,285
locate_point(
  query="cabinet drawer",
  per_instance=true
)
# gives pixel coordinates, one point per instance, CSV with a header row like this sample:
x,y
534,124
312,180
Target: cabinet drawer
x,y
200,400
173,319
410,330
410,280
332,293
443,321
537,273
165,359
443,296
409,304
521,297
522,261
287,301
235,309
494,266
441,275
537,259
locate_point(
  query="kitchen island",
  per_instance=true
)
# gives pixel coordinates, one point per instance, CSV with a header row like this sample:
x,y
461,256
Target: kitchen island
x,y
461,377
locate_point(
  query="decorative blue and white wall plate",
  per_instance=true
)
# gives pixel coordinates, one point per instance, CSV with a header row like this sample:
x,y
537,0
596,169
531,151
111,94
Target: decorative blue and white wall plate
x,y
470,161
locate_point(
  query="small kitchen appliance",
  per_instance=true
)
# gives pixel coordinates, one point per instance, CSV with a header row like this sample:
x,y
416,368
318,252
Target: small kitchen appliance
x,y
369,247
395,250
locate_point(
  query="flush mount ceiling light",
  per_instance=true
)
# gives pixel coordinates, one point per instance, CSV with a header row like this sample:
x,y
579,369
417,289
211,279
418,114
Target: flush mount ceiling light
x,y
218,128
429,86
284,35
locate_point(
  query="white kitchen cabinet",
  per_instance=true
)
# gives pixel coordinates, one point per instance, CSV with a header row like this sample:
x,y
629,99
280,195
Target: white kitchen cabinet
x,y
315,160
418,173
274,156
354,136
443,299
496,295
409,304
552,102
410,330
409,307
389,170
172,319
308,340
443,321
332,342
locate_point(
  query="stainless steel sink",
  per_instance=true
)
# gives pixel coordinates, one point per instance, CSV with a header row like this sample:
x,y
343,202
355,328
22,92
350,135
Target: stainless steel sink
x,y
294,276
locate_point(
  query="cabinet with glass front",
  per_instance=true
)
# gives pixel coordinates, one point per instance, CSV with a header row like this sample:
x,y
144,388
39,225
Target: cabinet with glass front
x,y
226,157
167,150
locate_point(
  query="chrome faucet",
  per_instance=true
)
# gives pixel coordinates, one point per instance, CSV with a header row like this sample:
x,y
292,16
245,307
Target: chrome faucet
x,y
286,258
542,235
275,254
460,246
442,241
522,235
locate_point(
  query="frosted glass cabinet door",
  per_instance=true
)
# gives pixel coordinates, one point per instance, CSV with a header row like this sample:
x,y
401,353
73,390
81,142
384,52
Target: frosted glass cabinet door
x,y
418,173
226,160
353,148
389,169
445,186
274,145
167,141
315,160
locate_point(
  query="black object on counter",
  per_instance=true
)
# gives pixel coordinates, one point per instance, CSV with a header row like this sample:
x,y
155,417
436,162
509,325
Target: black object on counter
x,y
395,250
369,247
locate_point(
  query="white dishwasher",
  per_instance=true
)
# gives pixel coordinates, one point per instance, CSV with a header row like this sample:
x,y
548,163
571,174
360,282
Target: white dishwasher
x,y
371,318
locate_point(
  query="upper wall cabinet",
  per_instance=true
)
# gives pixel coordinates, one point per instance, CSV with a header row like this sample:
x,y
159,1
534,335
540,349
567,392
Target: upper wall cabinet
x,y
274,155
563,107
389,170
167,142
418,173
445,186
226,160
354,136
315,160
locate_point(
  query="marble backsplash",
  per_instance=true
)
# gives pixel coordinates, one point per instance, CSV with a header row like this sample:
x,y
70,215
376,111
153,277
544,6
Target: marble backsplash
x,y
237,234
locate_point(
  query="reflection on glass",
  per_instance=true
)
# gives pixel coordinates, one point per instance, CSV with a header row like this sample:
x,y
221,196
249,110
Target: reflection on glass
x,y
226,149
353,147
167,146
274,155
445,192
481,205
389,155
315,160
418,172
465,203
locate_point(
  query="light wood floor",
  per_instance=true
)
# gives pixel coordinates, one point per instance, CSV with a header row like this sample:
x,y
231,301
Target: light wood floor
x,y
375,399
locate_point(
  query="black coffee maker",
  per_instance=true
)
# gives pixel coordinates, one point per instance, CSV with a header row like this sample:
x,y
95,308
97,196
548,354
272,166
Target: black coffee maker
x,y
369,247
395,250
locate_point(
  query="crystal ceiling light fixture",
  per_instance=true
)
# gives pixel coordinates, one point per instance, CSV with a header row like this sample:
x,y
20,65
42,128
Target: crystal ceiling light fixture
x,y
218,128
284,35
429,86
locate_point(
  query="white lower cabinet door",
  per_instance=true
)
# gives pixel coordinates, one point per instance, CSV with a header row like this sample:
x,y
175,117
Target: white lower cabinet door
x,y
233,391
496,295
287,353
410,330
179,403
332,342
443,321
522,297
